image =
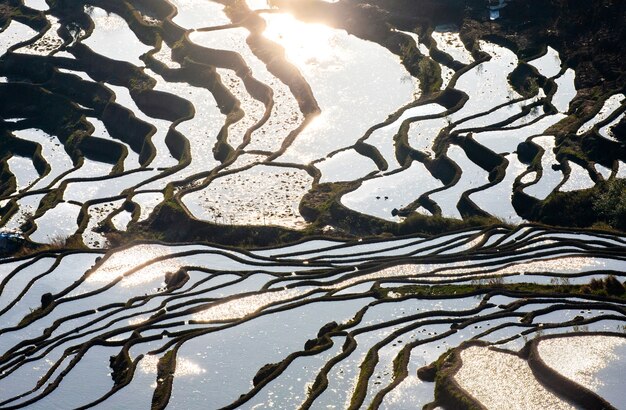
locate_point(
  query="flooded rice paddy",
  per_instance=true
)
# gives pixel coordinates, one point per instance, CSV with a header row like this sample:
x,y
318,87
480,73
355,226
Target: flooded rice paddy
x,y
252,114
232,113
357,314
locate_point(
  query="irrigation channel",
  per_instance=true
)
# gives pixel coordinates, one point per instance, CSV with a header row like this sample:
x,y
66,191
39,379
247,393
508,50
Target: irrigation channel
x,y
121,116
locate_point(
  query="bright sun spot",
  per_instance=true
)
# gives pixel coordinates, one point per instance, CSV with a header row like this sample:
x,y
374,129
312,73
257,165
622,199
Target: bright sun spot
x,y
257,4
310,44
121,263
184,366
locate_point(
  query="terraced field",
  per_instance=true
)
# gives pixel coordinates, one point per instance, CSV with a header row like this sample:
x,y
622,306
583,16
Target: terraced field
x,y
314,324
151,151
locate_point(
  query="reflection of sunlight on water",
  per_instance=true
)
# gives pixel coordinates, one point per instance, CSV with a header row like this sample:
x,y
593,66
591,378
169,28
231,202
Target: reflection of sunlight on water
x,y
257,4
123,261
559,265
584,356
564,264
150,273
503,381
148,365
184,366
137,320
104,19
350,78
241,307
311,44
321,122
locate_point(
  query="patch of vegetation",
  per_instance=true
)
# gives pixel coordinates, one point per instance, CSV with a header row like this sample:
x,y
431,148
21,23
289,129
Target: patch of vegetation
x,y
165,377
525,80
602,205
264,372
322,207
55,244
609,286
121,365
429,74
170,223
34,314
418,223
610,204
447,392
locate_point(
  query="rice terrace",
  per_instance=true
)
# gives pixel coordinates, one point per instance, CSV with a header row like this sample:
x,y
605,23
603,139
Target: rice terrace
x,y
313,204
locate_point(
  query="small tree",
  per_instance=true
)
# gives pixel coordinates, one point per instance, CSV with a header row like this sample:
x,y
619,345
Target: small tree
x,y
611,204
614,286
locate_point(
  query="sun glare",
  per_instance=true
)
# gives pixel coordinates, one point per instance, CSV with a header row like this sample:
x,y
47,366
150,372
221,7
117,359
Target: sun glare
x,y
258,4
184,366
310,44
120,263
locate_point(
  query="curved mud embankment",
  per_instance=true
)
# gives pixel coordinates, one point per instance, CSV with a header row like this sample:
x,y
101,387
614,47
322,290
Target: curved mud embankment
x,y
366,316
